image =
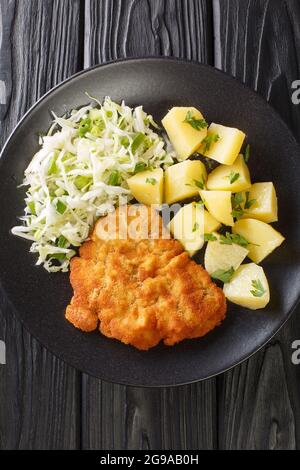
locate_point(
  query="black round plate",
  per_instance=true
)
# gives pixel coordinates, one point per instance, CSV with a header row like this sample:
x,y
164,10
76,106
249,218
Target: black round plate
x,y
39,299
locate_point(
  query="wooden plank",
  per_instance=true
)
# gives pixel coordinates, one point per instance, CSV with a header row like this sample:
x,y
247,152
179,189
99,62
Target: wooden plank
x,y
130,418
39,394
255,40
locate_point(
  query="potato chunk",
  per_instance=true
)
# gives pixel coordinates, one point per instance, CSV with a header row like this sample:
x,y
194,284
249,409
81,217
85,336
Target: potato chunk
x,y
181,180
234,178
248,287
218,203
222,256
148,186
210,223
185,136
262,237
188,227
261,202
227,147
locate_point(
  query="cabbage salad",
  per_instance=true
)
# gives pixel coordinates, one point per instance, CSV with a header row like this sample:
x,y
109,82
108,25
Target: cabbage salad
x,y
80,173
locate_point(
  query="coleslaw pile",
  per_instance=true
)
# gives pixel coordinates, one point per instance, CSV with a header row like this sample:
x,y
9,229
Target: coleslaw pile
x,y
80,173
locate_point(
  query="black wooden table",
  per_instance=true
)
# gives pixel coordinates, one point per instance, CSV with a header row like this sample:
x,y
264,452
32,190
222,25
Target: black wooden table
x,y
43,402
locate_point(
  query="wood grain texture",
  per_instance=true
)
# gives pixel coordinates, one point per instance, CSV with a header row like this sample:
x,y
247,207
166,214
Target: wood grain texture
x,y
131,418
38,393
118,28
256,41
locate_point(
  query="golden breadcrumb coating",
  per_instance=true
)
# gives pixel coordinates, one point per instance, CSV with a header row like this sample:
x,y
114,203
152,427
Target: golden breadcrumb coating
x,y
141,291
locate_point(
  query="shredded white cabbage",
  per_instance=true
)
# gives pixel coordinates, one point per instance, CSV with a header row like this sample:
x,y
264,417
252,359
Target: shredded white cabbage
x,y
80,174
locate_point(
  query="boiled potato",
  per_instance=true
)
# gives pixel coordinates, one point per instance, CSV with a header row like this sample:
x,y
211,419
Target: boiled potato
x,y
188,227
148,186
226,149
248,287
235,177
210,223
220,256
262,202
262,237
218,203
181,180
184,137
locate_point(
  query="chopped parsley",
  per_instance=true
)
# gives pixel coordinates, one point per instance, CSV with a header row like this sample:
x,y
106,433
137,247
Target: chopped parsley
x,y
237,210
195,227
249,202
197,124
223,275
209,237
233,177
208,141
152,181
259,290
230,238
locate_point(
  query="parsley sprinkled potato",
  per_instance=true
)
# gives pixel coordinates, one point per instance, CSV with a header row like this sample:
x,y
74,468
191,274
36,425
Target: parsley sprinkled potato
x,y
224,252
147,187
248,287
188,227
184,180
186,129
263,238
235,177
222,143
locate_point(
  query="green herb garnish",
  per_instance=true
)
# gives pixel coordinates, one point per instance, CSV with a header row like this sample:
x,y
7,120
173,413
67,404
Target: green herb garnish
x,y
61,207
223,275
237,210
141,166
195,227
85,126
31,207
138,140
62,241
249,202
114,178
125,142
197,124
208,141
233,177
200,184
209,237
259,289
247,153
152,181
81,182
237,213
58,256
230,238
52,166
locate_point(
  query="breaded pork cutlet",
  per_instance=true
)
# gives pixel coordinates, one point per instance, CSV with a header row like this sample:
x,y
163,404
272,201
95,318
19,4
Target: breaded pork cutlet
x,y
141,291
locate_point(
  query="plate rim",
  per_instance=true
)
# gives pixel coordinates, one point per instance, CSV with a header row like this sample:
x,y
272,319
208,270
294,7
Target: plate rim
x,y
140,59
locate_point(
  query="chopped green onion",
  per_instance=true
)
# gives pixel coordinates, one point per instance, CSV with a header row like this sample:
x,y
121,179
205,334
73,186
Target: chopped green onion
x,y
114,178
82,181
139,167
61,207
137,142
85,126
